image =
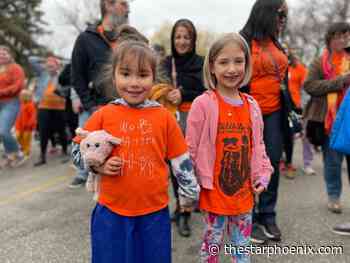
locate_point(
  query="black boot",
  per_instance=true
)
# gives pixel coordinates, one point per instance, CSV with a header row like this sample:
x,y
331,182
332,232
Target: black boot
x,y
40,162
183,226
175,216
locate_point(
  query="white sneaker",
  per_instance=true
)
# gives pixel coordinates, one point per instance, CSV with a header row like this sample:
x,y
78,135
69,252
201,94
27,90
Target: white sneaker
x,y
309,171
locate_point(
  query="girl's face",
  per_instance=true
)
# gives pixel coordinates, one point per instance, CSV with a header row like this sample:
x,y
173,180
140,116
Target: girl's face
x,y
5,56
183,41
133,83
339,41
229,68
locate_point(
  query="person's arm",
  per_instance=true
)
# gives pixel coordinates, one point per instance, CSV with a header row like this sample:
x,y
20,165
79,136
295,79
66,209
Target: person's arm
x,y
79,74
18,79
195,123
94,123
317,86
188,186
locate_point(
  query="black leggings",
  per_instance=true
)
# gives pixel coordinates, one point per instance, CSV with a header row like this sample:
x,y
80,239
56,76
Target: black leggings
x,y
51,121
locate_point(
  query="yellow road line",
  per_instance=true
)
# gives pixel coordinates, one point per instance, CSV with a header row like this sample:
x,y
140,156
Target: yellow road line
x,y
49,184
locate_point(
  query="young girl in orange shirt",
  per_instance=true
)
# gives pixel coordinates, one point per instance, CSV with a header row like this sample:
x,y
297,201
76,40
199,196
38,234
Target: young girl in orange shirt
x,y
26,121
225,137
130,223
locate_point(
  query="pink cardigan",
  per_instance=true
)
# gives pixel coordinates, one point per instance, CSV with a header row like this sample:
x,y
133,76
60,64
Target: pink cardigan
x,y
202,125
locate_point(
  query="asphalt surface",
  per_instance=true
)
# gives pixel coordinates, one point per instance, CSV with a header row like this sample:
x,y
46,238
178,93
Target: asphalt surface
x,y
44,221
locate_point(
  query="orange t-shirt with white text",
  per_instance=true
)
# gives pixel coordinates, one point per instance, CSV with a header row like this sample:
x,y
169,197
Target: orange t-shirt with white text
x,y
150,136
266,79
232,193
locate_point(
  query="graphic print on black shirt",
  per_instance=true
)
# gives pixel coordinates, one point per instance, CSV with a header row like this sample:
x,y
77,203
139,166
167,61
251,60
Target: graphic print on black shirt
x,y
235,167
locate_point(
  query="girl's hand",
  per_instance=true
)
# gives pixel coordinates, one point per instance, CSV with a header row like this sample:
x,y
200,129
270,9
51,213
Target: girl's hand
x,y
258,188
174,96
112,167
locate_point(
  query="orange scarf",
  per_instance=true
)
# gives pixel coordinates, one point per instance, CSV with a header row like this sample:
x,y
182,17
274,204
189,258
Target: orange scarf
x,y
334,65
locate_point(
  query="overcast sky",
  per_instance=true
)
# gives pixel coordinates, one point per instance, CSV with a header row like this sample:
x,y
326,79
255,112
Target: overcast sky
x,y
148,15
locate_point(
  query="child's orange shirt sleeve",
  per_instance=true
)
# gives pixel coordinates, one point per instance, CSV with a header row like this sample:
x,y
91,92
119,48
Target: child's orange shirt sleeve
x,y
176,142
94,123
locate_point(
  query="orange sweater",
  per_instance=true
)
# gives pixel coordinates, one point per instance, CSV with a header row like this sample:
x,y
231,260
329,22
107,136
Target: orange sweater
x,y
26,119
11,81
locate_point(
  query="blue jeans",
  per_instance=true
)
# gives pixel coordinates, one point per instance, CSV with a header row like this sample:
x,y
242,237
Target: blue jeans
x,y
332,171
264,212
83,117
8,114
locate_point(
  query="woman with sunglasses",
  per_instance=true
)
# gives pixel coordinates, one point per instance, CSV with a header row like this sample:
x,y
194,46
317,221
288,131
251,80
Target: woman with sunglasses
x,y
270,63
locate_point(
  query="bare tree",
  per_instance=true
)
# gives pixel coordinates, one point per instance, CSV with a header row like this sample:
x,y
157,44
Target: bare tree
x,y
79,13
308,24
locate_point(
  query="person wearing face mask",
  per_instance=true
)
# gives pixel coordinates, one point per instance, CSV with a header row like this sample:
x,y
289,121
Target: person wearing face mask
x,y
12,80
185,68
327,82
91,52
270,64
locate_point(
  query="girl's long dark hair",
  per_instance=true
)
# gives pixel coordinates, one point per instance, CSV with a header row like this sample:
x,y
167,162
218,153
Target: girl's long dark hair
x,y
262,21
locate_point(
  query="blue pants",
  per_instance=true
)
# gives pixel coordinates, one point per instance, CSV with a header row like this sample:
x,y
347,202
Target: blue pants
x,y
8,114
332,161
265,212
123,239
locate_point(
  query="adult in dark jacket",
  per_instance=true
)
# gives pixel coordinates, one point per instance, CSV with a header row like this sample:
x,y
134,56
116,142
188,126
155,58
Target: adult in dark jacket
x,y
91,52
184,67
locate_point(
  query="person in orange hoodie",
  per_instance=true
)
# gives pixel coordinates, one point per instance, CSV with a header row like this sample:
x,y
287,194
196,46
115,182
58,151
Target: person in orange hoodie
x,y
26,121
11,82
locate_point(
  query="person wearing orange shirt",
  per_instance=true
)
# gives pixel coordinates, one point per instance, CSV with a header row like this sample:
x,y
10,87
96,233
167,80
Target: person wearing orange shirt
x,y
26,121
224,134
296,76
131,222
266,22
51,107
12,80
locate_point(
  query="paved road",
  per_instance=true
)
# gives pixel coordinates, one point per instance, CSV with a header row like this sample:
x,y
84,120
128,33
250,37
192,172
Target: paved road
x,y
43,221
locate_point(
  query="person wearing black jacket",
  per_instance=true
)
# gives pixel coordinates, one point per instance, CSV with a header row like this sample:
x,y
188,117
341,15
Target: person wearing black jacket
x,y
184,67
92,50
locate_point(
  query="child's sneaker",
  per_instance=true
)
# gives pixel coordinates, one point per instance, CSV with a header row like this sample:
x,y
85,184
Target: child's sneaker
x,y
309,171
19,160
290,171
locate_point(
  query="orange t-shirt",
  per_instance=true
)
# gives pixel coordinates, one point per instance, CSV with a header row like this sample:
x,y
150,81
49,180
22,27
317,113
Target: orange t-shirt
x,y
296,78
264,84
50,100
150,136
232,193
185,106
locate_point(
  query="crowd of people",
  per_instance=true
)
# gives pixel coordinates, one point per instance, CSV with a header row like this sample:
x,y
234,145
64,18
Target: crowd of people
x,y
217,127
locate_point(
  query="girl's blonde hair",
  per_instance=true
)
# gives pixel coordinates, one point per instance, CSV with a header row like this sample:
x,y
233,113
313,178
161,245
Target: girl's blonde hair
x,y
210,81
